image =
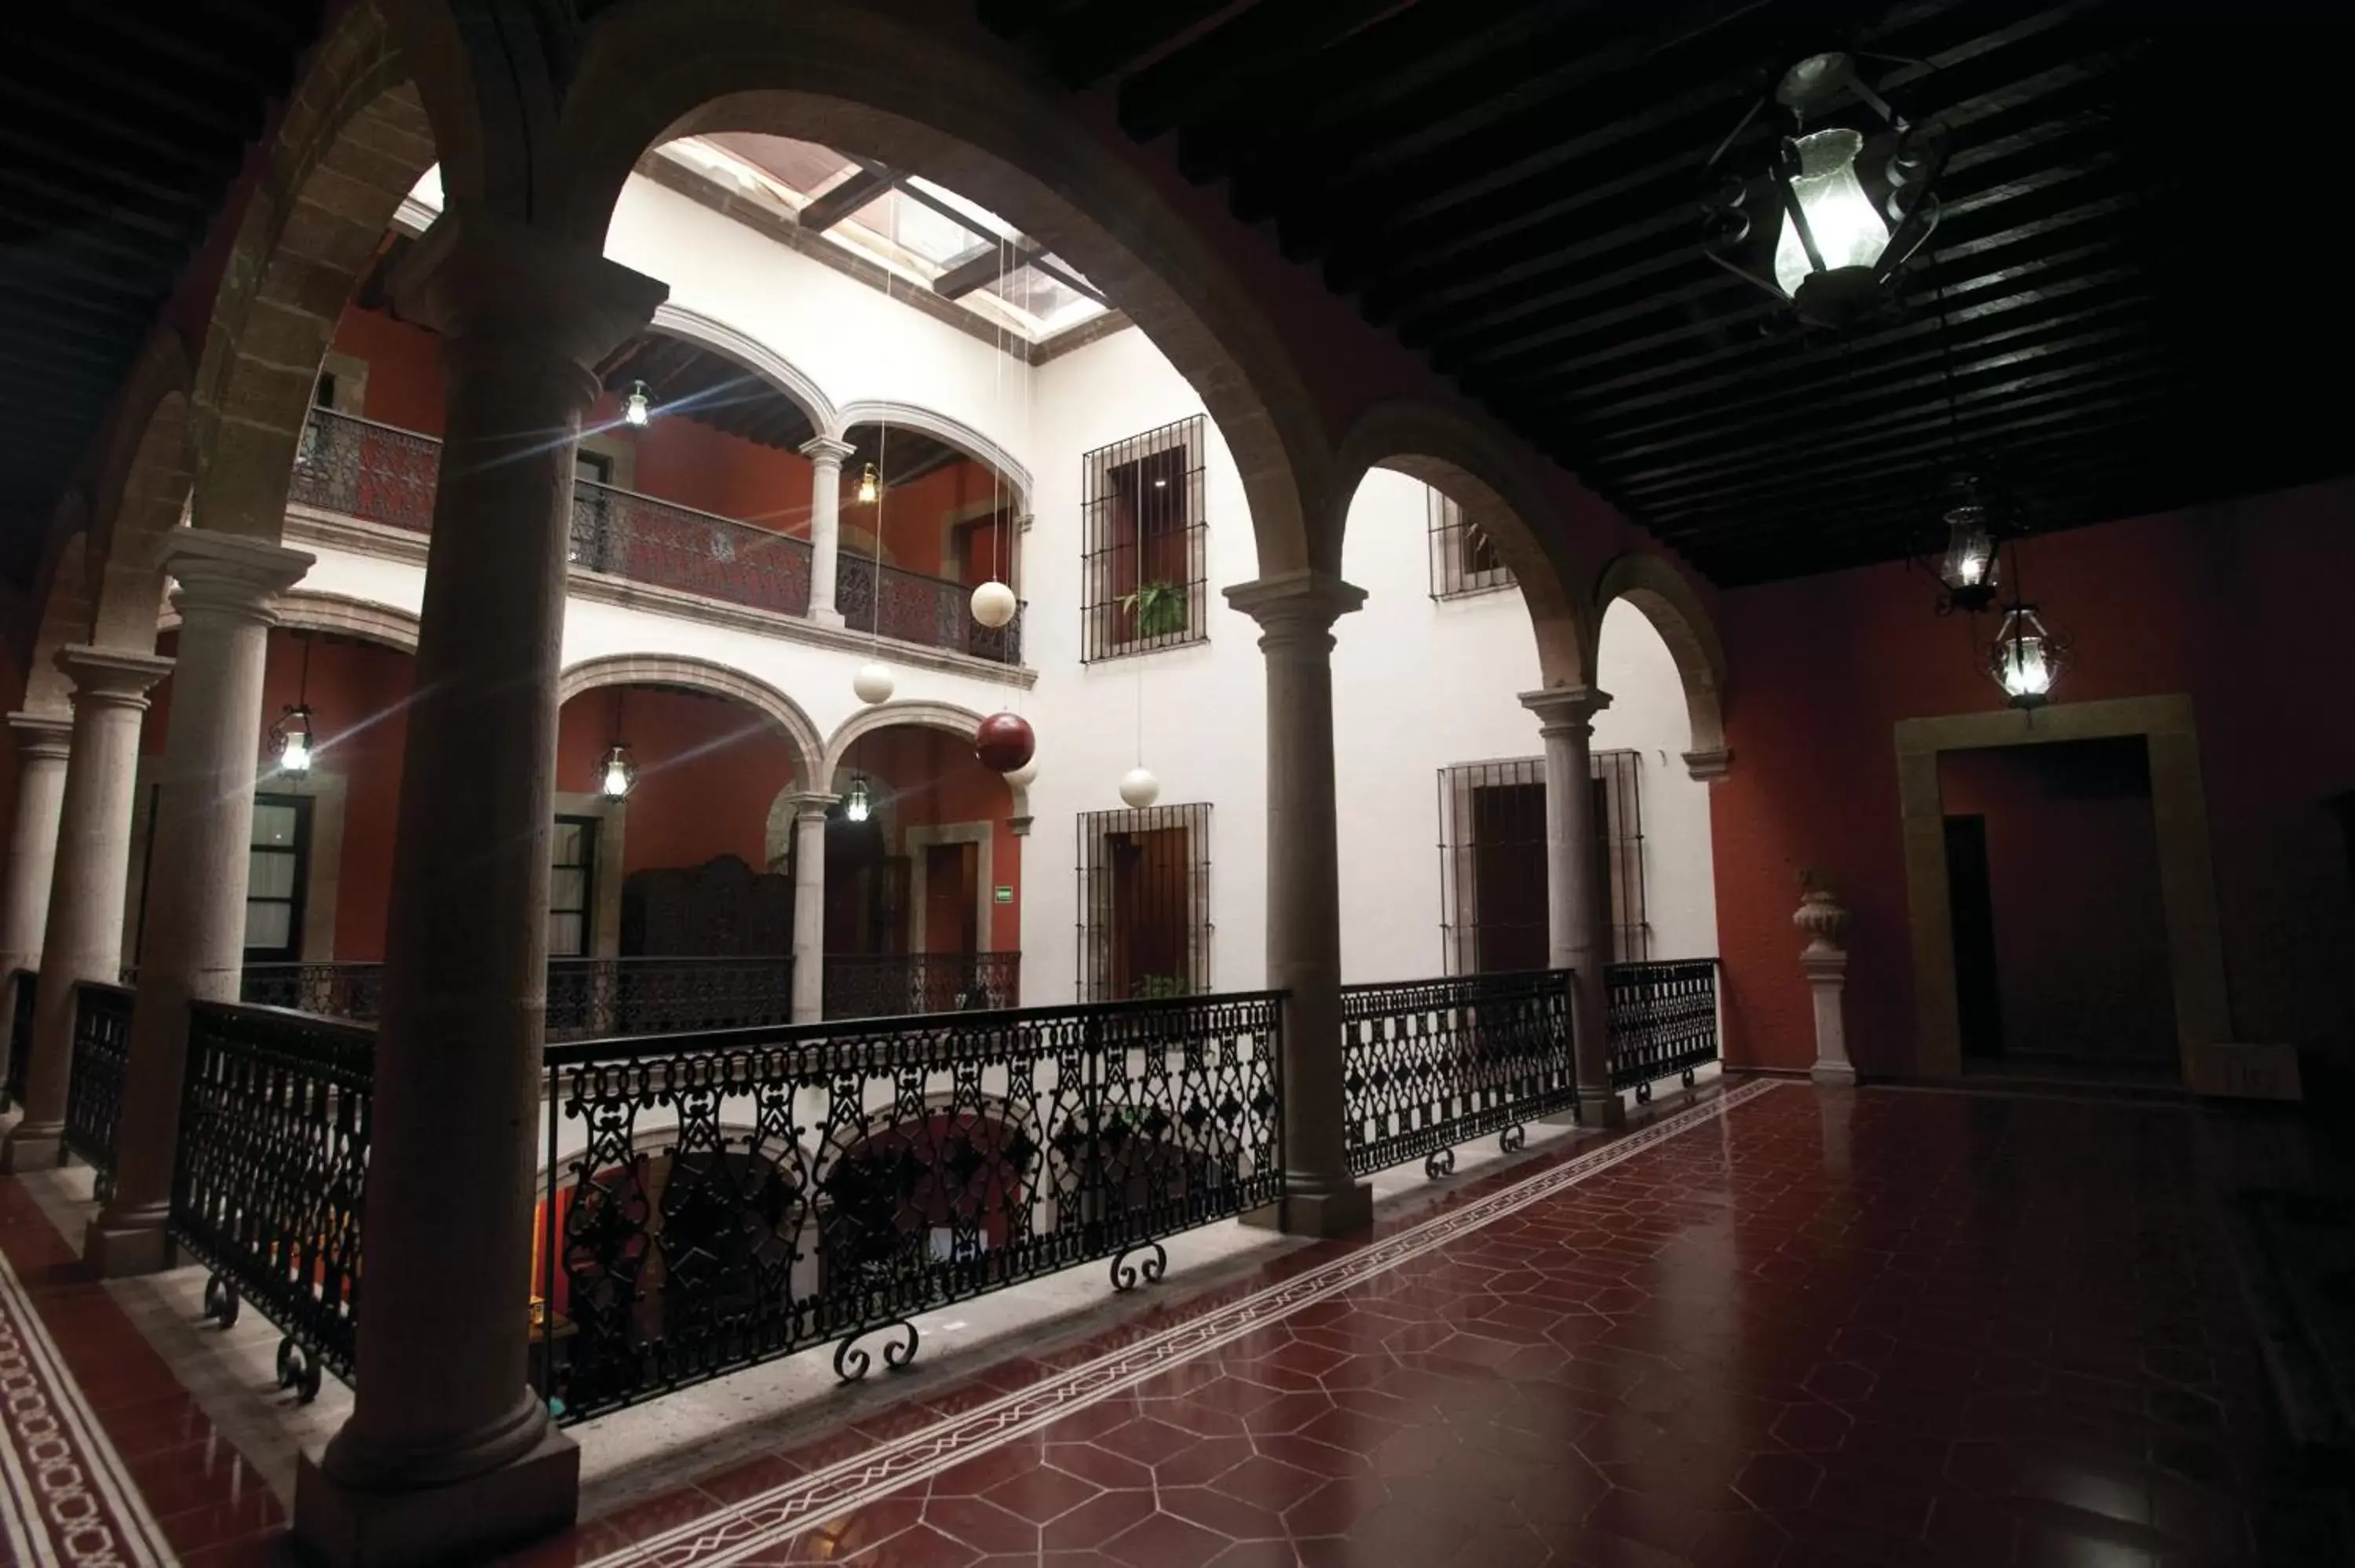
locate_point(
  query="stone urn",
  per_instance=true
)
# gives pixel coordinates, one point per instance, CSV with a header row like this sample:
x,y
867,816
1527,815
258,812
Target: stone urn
x,y
1820,915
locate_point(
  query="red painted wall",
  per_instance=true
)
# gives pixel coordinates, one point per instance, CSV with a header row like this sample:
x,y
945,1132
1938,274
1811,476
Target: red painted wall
x,y
2072,865
708,770
404,375
931,777
2241,606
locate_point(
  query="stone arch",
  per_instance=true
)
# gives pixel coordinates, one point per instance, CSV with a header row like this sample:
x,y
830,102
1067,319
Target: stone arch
x,y
354,141
887,80
145,468
948,431
1471,466
341,615
65,620
789,380
702,675
1652,586
924,713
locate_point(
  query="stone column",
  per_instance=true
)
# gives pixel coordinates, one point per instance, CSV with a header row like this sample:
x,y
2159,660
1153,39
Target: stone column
x,y
194,946
82,939
1574,900
447,1456
826,455
1825,959
43,742
809,906
1295,614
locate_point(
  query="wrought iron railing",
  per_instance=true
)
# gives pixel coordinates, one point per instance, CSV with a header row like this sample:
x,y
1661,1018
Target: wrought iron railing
x,y
1431,1064
718,1200
20,1038
664,996
649,541
895,985
361,469
914,607
272,1162
102,1049
1663,1021
331,990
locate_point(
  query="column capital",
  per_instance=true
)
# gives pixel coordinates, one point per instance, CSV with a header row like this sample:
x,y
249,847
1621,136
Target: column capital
x,y
1566,709
1296,606
224,575
479,276
807,803
1708,767
112,677
825,450
47,735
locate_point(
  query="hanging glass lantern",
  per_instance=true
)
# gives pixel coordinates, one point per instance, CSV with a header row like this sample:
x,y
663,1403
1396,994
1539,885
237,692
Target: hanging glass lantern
x,y
2025,659
1837,250
870,485
857,805
618,774
1969,567
636,410
292,737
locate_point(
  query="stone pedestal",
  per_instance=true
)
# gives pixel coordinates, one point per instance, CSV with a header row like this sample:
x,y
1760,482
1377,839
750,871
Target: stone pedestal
x,y
809,907
43,742
195,933
1296,615
82,937
1576,940
447,1455
826,455
1826,962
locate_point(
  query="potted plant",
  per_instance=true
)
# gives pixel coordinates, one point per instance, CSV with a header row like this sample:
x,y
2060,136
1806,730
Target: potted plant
x,y
1159,609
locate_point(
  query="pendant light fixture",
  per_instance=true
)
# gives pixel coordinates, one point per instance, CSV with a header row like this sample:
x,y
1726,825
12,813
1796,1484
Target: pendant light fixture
x,y
2026,657
870,486
291,737
617,775
636,409
1849,209
993,604
1969,567
858,804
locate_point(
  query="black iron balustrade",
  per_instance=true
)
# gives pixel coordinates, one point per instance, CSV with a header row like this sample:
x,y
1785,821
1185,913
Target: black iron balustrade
x,y
724,1199
101,1050
20,1038
1428,1064
361,469
914,607
353,990
272,1160
895,985
1663,1021
666,995
669,546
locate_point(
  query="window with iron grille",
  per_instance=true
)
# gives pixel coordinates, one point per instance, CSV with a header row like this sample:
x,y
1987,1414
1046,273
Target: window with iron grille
x,y
1493,867
1145,582
1464,559
1145,903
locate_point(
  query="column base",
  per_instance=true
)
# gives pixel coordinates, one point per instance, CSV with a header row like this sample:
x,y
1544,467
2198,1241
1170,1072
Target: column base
x,y
1833,1075
1602,1108
115,1246
1318,1210
33,1146
345,1526
832,617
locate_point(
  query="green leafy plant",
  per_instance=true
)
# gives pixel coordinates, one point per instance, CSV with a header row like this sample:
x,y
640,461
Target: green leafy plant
x,y
1163,988
1159,607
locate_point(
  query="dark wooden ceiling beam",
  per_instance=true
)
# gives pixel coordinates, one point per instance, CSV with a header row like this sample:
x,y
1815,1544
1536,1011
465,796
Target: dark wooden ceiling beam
x,y
1111,38
866,183
1253,46
986,265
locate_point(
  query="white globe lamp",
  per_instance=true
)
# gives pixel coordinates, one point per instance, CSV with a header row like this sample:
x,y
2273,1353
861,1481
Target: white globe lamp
x,y
1139,787
993,604
872,682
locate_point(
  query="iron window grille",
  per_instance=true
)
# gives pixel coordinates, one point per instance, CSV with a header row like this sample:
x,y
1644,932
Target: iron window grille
x,y
1493,867
571,888
1464,559
1144,579
1145,903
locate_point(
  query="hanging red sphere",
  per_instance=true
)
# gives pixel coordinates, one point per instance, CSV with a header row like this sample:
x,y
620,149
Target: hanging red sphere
x,y
1004,742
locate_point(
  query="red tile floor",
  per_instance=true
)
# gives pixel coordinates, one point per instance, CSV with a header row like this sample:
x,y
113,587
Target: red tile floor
x,y
1884,1328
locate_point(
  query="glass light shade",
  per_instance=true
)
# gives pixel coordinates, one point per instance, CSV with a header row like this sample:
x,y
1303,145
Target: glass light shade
x,y
1970,563
993,604
857,805
635,411
1849,230
869,485
618,774
2025,659
1022,777
872,682
1139,787
294,732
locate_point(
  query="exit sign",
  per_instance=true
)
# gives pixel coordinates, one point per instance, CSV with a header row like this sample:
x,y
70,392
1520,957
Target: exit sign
x,y
1006,895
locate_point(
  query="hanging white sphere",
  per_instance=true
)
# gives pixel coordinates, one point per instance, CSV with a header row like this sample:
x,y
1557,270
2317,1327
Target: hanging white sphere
x,y
872,682
1139,787
993,604
1024,775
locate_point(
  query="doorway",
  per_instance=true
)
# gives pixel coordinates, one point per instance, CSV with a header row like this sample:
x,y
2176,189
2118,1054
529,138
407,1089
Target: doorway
x,y
951,897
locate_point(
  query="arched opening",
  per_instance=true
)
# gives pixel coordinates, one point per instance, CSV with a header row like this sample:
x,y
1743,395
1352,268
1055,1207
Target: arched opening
x,y
1665,599
1659,880
925,521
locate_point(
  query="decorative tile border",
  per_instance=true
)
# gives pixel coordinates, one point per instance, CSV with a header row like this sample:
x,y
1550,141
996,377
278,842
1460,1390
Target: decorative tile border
x,y
767,1518
64,1497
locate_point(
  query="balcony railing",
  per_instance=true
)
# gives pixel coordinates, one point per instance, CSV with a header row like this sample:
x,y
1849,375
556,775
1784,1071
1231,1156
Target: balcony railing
x,y
663,996
1431,1064
1663,1021
330,990
101,1050
914,607
384,474
892,986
